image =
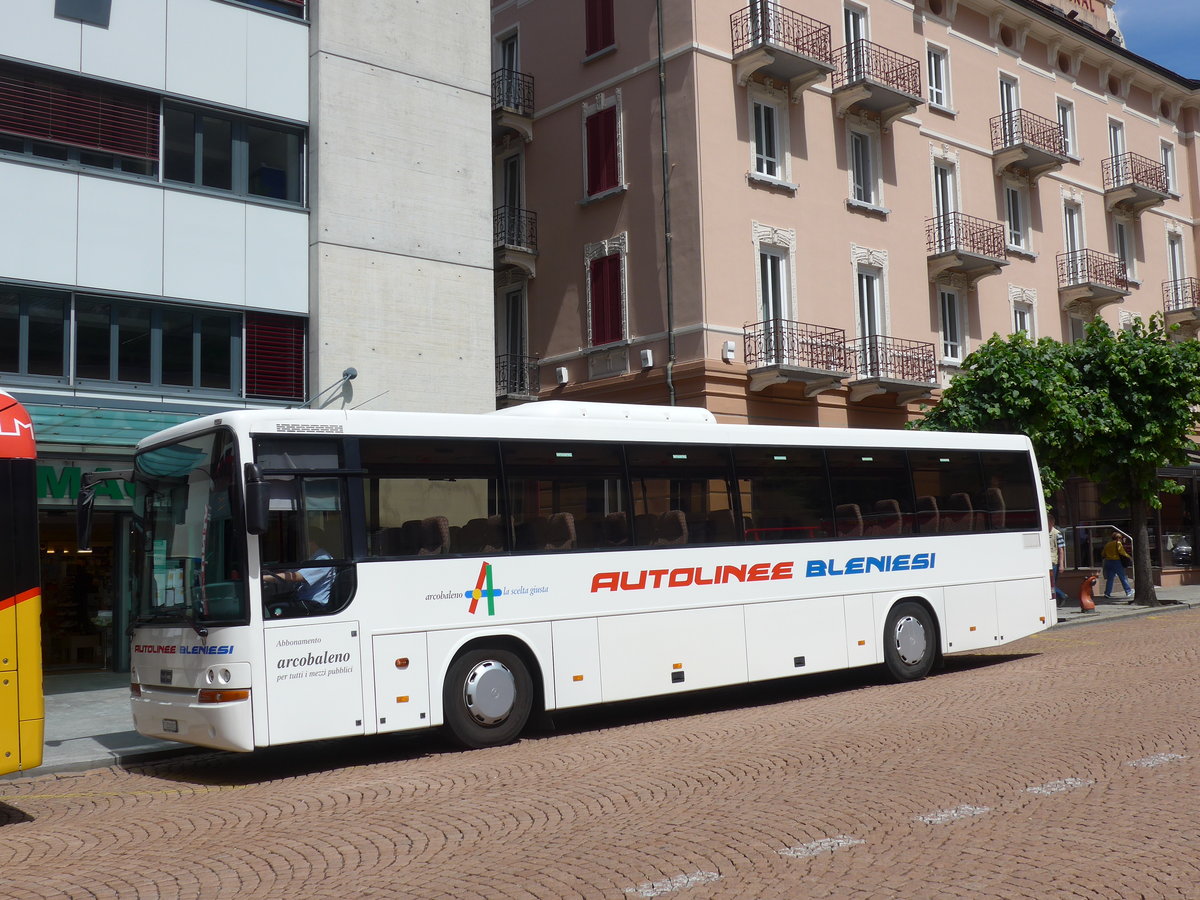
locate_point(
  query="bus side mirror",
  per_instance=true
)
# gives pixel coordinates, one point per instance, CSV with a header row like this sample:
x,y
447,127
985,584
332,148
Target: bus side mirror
x,y
258,501
83,511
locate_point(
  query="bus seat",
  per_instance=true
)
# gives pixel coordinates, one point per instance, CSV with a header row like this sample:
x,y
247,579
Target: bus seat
x,y
531,533
996,509
616,529
887,517
646,529
495,538
471,537
589,532
849,520
435,536
927,514
672,528
720,526
560,532
960,514
412,534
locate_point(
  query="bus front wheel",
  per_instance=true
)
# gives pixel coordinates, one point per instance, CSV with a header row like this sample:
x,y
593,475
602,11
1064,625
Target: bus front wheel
x,y
909,641
487,698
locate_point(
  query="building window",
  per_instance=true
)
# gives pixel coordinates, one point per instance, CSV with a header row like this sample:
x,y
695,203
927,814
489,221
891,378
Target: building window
x,y
1175,266
939,76
1167,152
127,345
1075,329
1123,245
767,154
73,120
228,153
1066,118
275,349
1014,203
951,318
284,7
863,184
772,283
605,278
599,26
603,148
1023,318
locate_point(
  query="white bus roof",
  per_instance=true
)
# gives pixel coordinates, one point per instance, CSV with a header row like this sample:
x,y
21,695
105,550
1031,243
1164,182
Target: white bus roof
x,y
563,420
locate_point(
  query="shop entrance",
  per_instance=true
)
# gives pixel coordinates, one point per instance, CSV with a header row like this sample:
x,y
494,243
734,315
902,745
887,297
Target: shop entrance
x,y
82,598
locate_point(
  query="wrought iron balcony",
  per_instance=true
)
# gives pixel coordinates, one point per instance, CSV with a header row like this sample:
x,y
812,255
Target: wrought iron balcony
x,y
882,364
1181,305
512,104
1089,280
778,351
1134,183
517,375
1027,143
771,38
868,77
964,245
514,236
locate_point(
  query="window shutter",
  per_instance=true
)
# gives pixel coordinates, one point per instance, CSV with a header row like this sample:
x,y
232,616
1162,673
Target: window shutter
x,y
599,27
274,357
602,151
606,300
78,113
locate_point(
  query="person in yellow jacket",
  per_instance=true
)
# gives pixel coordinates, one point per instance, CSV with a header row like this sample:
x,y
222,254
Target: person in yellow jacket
x,y
1115,557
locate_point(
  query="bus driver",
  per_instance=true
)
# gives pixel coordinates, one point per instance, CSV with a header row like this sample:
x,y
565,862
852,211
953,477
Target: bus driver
x,y
314,582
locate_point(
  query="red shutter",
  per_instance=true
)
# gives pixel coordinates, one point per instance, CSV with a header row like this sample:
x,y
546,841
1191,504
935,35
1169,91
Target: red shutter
x,y
274,357
599,27
606,300
79,113
602,151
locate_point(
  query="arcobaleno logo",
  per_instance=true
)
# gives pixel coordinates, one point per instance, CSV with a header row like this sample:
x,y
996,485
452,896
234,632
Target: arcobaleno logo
x,y
864,565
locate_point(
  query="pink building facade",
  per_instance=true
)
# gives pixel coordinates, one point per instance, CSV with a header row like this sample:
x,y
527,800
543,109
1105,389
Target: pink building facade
x,y
859,194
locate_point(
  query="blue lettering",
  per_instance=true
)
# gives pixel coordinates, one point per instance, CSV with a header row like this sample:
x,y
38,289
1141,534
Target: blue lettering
x,y
878,563
920,561
864,565
900,563
814,569
855,566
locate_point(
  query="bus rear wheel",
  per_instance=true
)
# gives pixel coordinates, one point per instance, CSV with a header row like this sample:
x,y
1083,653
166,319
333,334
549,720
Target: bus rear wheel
x,y
909,641
487,698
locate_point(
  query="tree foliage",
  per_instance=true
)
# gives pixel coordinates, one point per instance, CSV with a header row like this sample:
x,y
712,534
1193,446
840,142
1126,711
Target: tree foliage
x,y
1114,407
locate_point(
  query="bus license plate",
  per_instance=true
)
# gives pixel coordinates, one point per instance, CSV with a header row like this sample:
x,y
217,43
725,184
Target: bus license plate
x,y
171,726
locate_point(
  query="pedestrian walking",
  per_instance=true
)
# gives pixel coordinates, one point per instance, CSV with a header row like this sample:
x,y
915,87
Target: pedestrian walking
x,y
1058,554
1115,557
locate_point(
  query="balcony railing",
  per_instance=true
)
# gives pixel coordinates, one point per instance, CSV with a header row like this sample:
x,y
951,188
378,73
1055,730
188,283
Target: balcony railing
x,y
782,342
1092,267
1181,295
1020,126
892,359
512,90
959,233
865,61
517,374
767,22
513,227
1131,169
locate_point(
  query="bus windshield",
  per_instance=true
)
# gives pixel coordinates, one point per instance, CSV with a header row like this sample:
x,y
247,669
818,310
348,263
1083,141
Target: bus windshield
x,y
190,565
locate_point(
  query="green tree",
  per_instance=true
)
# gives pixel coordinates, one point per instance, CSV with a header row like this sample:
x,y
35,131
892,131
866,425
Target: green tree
x,y
1114,407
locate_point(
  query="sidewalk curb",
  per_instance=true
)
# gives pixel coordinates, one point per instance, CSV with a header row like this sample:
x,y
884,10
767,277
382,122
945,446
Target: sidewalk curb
x,y
1093,618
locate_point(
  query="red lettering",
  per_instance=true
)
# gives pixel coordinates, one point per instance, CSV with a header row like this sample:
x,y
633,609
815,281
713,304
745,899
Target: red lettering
x,y
681,577
760,572
604,581
781,572
738,572
658,576
700,580
626,585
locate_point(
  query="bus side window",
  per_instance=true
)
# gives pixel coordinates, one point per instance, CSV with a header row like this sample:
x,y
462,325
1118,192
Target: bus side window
x,y
949,487
1011,496
784,493
681,494
877,482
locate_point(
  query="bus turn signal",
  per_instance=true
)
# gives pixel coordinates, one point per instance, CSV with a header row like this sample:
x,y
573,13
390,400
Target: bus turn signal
x,y
224,696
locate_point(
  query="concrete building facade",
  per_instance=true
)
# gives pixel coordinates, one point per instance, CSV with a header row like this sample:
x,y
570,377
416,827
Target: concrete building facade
x,y
213,204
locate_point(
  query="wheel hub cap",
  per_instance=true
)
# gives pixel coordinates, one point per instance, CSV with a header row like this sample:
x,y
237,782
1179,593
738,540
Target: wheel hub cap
x,y
910,640
490,692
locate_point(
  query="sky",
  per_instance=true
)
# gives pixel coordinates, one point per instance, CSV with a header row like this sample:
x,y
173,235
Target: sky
x,y
1164,31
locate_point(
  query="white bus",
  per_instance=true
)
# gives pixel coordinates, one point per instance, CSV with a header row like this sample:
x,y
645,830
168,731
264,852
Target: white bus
x,y
303,575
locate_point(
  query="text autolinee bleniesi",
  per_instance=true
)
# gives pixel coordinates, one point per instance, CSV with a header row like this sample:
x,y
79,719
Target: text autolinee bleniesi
x,y
779,571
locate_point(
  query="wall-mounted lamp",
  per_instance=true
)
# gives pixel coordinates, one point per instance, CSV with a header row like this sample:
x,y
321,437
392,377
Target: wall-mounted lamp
x,y
727,351
647,359
560,374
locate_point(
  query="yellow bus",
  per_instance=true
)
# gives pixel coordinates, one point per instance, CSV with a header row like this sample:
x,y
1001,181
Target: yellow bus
x,y
22,710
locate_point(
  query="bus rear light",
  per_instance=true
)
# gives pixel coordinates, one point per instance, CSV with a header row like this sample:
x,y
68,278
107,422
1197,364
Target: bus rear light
x,y
223,696
135,690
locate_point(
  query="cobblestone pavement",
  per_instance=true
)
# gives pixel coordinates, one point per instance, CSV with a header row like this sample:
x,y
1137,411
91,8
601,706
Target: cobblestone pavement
x,y
1063,765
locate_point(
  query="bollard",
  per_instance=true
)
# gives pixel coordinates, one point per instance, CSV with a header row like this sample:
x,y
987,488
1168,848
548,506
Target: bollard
x,y
1086,604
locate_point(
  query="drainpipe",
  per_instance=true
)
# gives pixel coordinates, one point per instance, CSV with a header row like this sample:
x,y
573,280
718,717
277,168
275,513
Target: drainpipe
x,y
666,177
